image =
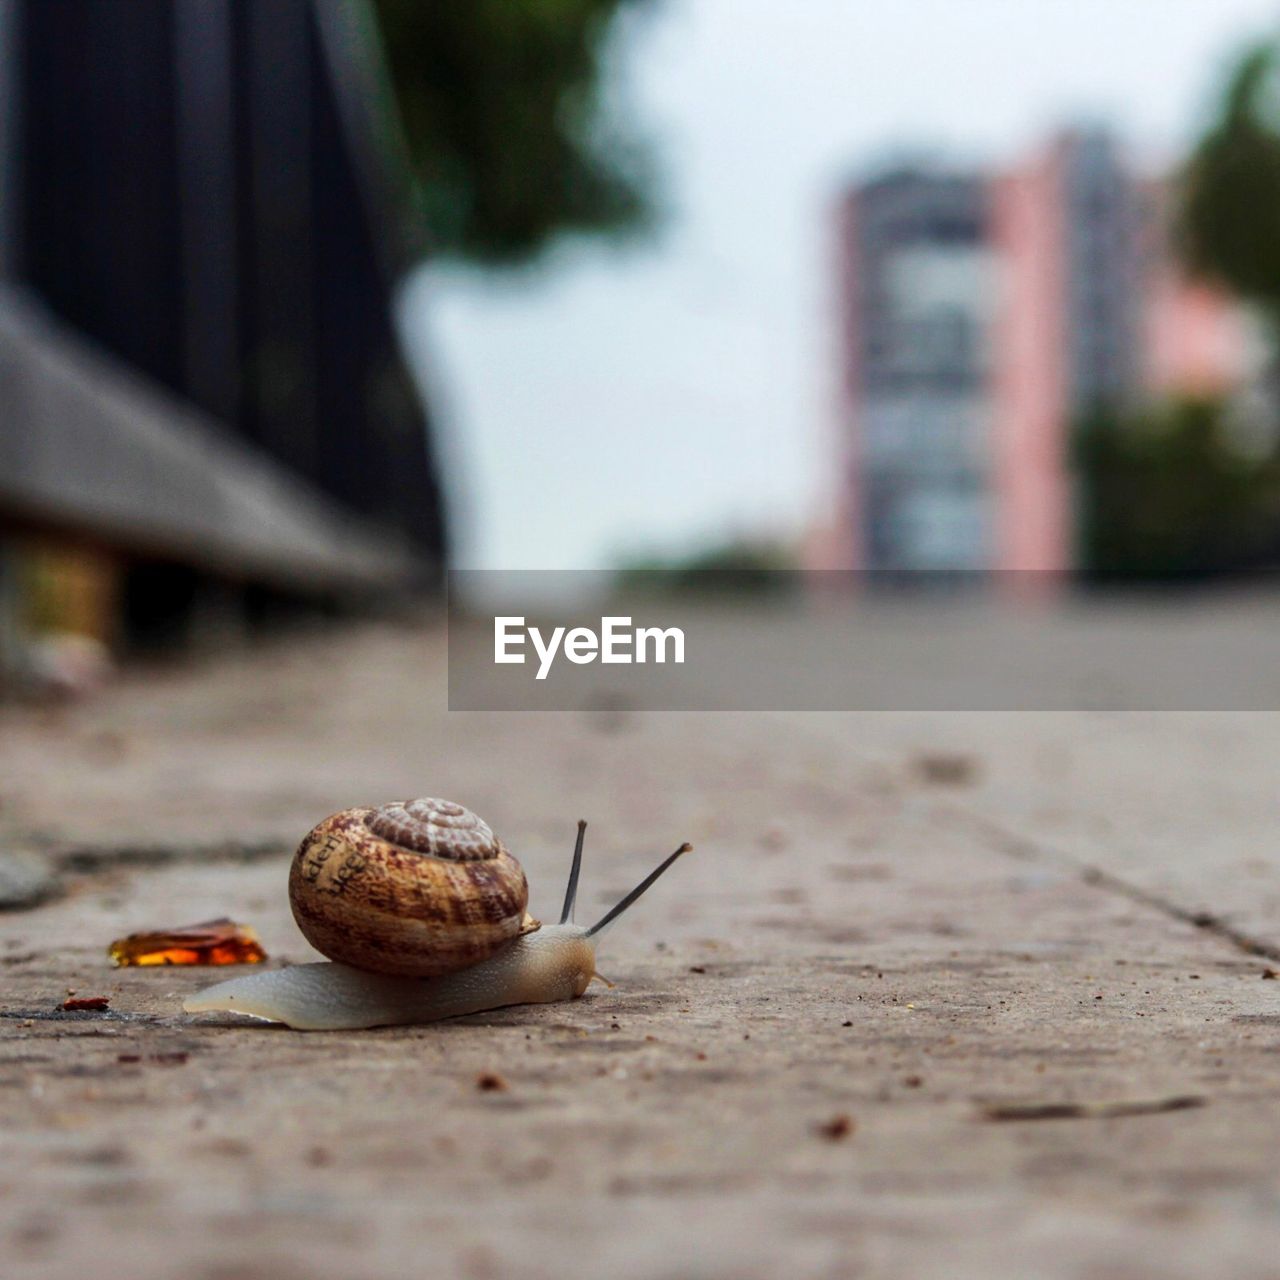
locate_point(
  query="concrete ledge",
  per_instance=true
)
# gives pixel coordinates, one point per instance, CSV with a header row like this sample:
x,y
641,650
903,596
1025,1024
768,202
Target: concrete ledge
x,y
87,445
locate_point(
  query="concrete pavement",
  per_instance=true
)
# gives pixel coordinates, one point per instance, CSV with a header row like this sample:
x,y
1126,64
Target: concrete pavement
x,y
891,924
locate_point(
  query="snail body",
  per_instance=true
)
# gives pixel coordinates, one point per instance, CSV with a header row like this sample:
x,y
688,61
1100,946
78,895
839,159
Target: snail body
x,y
555,963
422,912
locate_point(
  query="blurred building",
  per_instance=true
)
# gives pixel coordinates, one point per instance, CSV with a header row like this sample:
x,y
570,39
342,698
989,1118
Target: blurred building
x,y
981,317
204,407
919,288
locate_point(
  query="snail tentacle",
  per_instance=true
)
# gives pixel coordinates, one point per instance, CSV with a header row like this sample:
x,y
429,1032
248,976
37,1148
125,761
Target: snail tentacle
x,y
571,889
614,912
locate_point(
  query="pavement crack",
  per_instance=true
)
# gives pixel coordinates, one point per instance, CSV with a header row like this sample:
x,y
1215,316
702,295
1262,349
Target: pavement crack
x,y
90,859
34,868
1023,848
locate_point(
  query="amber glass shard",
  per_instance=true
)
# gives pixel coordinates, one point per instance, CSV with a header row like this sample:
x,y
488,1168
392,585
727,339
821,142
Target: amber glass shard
x,y
213,942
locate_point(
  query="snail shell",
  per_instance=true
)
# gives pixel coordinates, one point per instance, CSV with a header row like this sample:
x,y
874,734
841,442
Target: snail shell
x,y
419,888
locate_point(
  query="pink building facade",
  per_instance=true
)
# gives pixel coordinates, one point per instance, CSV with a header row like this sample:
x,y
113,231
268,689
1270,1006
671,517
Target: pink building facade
x,y
979,317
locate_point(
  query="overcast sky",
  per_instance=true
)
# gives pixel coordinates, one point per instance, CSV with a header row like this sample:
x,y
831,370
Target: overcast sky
x,y
681,389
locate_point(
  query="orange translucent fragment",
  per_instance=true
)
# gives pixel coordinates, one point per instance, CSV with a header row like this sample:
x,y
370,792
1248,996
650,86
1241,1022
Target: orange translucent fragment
x,y
213,942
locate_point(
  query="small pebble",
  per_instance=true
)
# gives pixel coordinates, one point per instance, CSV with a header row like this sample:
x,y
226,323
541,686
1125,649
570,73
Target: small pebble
x,y
27,879
837,1128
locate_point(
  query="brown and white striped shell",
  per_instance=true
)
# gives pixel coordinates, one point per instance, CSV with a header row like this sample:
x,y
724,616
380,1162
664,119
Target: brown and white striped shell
x,y
420,887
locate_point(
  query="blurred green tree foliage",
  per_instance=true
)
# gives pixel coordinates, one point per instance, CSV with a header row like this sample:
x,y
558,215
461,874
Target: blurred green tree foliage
x,y
736,567
507,123
1169,491
1230,217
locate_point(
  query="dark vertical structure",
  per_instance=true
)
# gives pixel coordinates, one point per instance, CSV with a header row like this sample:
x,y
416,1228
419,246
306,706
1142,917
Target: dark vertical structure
x,y
1103,278
917,316
195,197
207,185
99,234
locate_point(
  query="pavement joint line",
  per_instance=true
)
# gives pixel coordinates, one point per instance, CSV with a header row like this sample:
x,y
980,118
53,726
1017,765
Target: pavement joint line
x,y
88,859
1025,849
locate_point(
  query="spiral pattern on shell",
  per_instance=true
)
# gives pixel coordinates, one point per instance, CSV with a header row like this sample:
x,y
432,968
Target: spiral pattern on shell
x,y
436,827
419,887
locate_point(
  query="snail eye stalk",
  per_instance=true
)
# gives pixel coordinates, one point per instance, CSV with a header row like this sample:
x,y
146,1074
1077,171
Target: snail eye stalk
x,y
571,889
610,916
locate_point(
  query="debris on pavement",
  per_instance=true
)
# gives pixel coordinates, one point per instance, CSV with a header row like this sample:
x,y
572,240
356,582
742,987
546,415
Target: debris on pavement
x,y
945,768
1090,1110
837,1128
73,1003
215,942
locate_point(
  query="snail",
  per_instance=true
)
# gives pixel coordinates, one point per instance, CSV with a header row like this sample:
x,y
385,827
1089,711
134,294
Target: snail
x,y
421,911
